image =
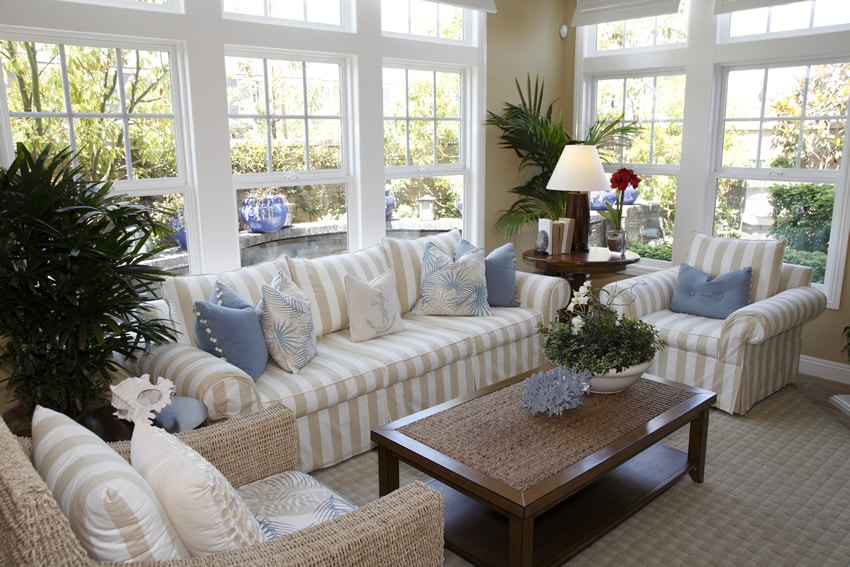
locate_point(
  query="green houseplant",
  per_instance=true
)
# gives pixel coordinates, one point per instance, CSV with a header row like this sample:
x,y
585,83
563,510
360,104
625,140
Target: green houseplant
x,y
74,279
590,335
537,136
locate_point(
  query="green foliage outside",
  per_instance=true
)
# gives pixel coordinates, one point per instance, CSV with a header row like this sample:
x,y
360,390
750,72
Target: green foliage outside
x,y
656,250
802,214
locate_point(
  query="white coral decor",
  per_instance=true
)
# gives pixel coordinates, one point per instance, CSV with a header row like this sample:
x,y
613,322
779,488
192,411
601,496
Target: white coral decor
x,y
136,399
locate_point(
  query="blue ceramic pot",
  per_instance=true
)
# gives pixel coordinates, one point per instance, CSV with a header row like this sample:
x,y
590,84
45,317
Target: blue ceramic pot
x,y
178,223
264,214
389,205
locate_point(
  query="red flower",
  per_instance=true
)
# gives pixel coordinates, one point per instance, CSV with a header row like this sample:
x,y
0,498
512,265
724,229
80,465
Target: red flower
x,y
623,177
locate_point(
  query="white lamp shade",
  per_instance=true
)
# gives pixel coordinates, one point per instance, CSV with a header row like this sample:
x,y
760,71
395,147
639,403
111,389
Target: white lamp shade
x,y
579,169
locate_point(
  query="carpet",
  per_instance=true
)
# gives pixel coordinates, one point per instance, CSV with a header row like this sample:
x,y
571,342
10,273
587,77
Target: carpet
x,y
776,493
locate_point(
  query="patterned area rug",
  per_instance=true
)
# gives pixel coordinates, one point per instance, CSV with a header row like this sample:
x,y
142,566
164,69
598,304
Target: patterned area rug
x,y
777,492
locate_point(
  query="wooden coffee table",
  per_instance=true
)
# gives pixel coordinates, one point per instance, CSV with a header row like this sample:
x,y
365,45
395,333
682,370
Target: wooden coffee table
x,y
523,490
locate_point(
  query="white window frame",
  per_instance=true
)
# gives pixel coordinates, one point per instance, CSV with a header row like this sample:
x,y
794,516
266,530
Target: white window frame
x,y
703,60
346,17
137,187
309,176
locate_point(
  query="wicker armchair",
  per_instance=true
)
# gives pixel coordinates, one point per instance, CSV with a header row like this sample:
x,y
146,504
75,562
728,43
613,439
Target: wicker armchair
x,y
402,528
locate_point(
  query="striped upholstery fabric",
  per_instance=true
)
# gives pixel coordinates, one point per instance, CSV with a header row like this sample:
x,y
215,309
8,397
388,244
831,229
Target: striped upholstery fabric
x,y
112,510
322,279
348,388
226,390
716,256
406,259
752,353
181,292
546,294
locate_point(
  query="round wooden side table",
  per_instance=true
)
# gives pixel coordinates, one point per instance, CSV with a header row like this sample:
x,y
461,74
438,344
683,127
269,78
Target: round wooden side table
x,y
182,414
577,266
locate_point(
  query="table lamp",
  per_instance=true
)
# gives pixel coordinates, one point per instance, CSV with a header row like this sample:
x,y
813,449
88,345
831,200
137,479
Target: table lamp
x,y
579,171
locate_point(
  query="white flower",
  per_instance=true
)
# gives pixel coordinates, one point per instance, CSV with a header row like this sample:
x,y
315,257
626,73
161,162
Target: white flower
x,y
577,323
579,300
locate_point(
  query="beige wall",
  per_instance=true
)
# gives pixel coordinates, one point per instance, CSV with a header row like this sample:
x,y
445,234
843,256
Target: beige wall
x,y
523,39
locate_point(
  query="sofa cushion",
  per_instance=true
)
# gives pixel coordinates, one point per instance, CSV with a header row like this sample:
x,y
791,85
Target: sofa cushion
x,y
322,279
715,256
286,318
181,292
687,332
406,259
373,307
202,505
111,509
292,501
697,293
452,288
500,271
344,370
228,327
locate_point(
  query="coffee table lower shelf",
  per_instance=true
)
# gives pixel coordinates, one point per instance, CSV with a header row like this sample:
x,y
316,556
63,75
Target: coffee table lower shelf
x,y
480,535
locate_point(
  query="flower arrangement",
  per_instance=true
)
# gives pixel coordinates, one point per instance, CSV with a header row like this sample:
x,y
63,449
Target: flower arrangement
x,y
590,335
620,181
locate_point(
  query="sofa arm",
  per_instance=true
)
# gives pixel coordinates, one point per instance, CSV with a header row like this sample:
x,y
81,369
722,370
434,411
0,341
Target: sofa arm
x,y
226,390
547,294
762,320
402,528
639,296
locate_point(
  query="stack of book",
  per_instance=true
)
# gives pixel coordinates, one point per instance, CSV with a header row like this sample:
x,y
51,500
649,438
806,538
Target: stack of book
x,y
558,235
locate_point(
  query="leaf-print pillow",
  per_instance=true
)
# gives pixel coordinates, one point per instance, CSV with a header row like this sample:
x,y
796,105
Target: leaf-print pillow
x,y
287,322
452,288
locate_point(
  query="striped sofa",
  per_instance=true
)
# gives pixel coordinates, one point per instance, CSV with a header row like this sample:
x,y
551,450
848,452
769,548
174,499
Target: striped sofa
x,y
350,387
749,355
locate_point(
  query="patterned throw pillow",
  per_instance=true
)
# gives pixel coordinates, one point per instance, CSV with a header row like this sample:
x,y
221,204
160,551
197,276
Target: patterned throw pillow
x,y
112,510
291,501
373,307
227,326
202,505
452,288
286,318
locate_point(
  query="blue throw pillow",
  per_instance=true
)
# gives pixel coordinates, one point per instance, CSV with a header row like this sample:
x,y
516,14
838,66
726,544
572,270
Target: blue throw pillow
x,y
697,293
499,271
228,327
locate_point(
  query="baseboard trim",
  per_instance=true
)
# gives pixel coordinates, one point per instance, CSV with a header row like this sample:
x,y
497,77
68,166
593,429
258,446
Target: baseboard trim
x,y
842,402
826,369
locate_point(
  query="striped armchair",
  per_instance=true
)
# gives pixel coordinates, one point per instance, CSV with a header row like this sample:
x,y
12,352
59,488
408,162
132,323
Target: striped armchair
x,y
750,354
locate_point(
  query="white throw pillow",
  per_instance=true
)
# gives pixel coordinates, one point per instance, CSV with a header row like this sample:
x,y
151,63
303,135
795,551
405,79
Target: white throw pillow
x,y
200,502
112,510
373,307
286,318
452,288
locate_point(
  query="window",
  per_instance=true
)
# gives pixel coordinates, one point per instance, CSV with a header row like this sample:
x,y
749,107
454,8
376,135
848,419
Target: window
x,y
644,32
783,133
794,17
759,153
112,106
424,19
285,115
291,11
656,104
235,102
423,133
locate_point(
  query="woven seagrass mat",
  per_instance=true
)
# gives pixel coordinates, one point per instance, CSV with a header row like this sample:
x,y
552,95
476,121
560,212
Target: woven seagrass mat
x,y
495,435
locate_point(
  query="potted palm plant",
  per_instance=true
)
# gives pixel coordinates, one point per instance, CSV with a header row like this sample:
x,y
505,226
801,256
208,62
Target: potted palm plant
x,y
74,279
538,137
